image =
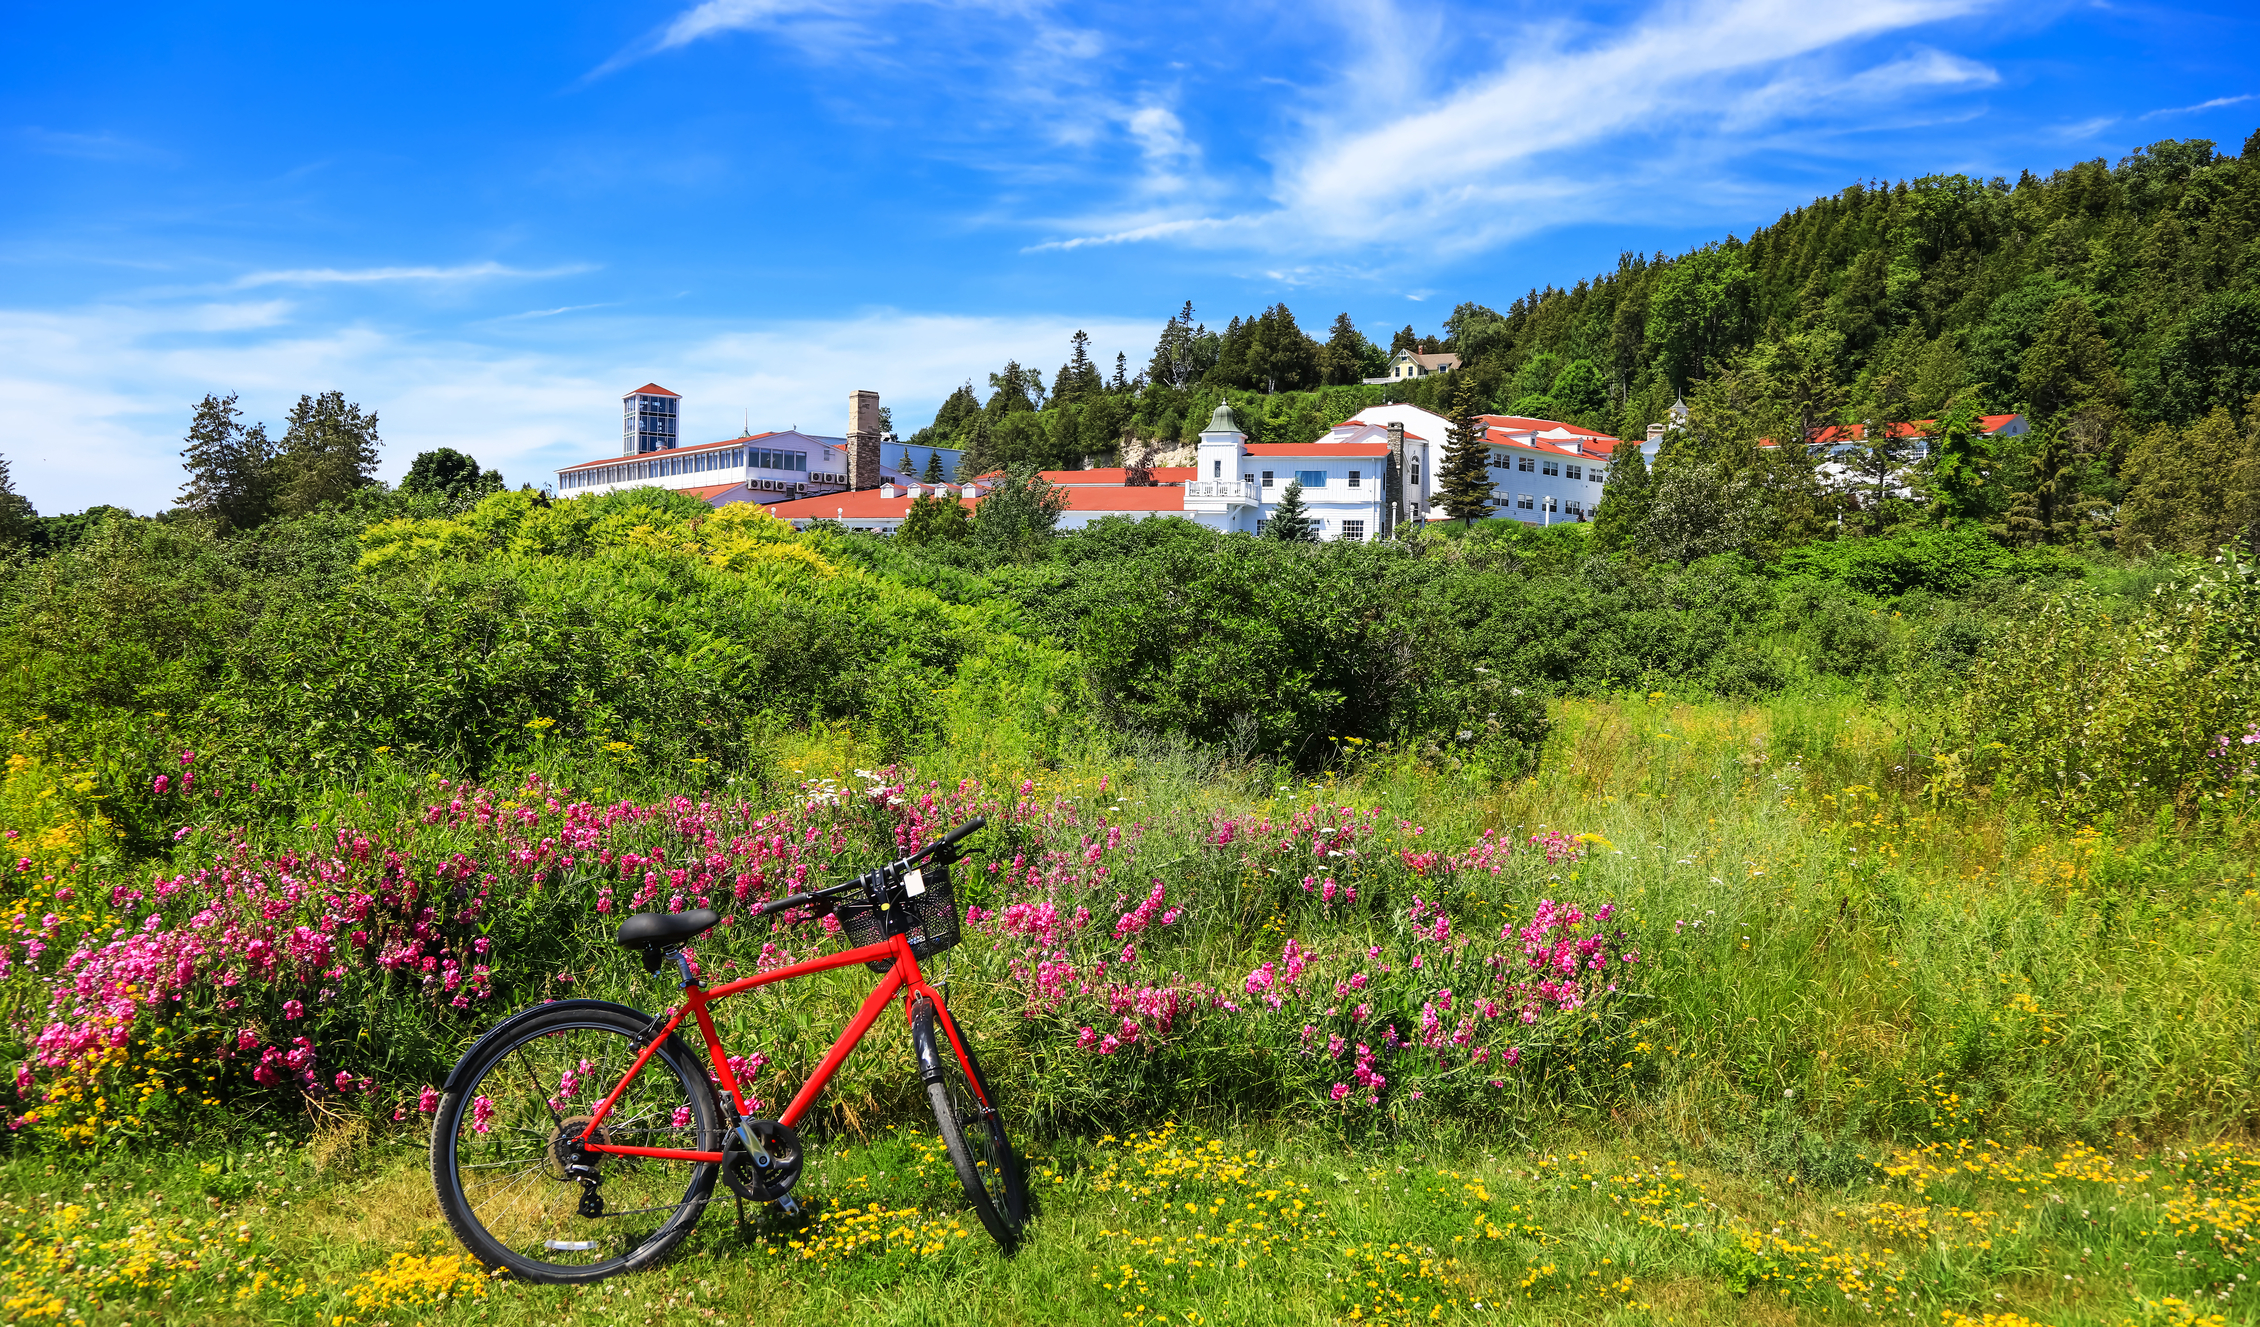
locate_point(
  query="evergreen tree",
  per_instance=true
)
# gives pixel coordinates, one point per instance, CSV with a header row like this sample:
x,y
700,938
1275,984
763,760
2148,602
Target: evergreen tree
x,y
2054,507
934,473
1958,463
2069,362
1465,481
230,468
1348,358
1625,500
1289,524
906,467
1407,339
2195,490
19,520
1078,379
329,450
1184,353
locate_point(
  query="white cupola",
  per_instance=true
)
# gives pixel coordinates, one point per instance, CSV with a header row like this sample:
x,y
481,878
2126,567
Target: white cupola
x,y
1221,449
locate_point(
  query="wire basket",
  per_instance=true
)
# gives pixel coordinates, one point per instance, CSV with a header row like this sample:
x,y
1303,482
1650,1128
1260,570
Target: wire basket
x,y
928,918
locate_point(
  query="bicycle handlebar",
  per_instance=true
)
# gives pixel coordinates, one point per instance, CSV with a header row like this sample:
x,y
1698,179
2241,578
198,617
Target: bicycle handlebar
x,y
791,901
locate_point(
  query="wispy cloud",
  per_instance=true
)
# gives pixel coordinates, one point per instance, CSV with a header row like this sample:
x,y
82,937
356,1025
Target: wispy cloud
x,y
2213,105
328,276
551,313
89,147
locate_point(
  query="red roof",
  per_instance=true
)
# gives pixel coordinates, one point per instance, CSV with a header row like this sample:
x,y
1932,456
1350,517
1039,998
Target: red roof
x,y
1317,449
705,491
1163,474
863,504
651,389
1919,428
1094,497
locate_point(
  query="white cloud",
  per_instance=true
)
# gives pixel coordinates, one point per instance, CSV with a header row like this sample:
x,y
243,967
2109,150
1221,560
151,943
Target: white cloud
x,y
89,147
2213,105
100,396
326,276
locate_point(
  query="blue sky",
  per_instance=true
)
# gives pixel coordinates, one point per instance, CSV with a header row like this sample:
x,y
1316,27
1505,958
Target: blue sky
x,y
487,222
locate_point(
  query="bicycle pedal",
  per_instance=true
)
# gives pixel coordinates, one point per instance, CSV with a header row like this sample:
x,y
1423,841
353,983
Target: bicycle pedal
x,y
788,1205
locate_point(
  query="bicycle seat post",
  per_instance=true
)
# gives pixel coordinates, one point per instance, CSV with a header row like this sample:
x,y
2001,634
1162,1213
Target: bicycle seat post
x,y
683,964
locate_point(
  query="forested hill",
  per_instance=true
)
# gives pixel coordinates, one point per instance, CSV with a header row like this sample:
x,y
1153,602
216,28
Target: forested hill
x,y
2128,289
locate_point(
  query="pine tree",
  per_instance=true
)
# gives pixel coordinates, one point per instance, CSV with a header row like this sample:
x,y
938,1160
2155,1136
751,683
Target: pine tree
x,y
1289,524
934,473
906,467
1625,499
328,451
1465,484
230,468
1958,463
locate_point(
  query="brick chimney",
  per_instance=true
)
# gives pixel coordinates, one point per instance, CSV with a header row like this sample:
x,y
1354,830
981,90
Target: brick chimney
x,y
1393,486
863,440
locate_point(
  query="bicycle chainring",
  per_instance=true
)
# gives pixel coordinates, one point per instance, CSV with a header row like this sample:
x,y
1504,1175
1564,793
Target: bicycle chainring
x,y
767,1170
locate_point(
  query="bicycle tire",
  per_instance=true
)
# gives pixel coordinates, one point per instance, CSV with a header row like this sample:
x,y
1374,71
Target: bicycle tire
x,y
995,1182
498,1170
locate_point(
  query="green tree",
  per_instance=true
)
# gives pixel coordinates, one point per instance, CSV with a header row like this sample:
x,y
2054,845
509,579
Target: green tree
x,y
934,519
1700,311
1184,352
1280,357
328,451
1078,380
1407,339
2069,362
2193,490
934,473
1348,358
19,521
2212,358
1465,482
230,468
1019,512
1625,500
1580,390
450,473
1959,463
1289,523
2053,506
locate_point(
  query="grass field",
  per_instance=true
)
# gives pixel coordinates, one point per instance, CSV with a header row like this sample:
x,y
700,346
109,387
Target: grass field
x,y
1896,1053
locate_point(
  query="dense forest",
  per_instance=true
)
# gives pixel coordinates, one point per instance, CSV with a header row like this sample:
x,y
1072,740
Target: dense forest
x,y
2106,301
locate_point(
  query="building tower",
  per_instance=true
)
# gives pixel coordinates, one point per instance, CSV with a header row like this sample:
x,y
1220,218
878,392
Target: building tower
x,y
651,420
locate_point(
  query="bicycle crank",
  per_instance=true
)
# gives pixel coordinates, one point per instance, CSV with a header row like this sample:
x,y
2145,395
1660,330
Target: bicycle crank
x,y
762,1162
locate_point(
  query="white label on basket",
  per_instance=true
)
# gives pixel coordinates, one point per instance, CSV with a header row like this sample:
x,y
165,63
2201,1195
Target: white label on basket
x,y
914,884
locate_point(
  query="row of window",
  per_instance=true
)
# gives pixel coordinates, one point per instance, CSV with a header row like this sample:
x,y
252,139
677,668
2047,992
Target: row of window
x,y
1317,478
1352,530
1548,465
1566,506
660,467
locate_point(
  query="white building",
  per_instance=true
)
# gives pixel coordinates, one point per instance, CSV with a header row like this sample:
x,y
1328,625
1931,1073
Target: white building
x,y
755,467
1406,365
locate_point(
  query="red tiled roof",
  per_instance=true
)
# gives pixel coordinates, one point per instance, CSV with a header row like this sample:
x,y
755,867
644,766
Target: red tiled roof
x,y
1317,449
706,491
651,389
1163,474
1919,428
863,504
1094,497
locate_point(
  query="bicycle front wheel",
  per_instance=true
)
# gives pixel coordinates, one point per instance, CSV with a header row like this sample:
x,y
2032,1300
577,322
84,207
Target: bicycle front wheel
x,y
972,1128
519,1194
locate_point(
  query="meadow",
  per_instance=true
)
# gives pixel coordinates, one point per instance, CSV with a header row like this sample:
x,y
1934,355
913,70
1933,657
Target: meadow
x,y
1917,983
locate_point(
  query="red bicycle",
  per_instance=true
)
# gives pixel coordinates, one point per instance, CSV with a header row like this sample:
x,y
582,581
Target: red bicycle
x,y
540,1175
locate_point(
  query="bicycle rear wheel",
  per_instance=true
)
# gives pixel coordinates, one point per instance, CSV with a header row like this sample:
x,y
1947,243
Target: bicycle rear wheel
x,y
501,1150
965,1110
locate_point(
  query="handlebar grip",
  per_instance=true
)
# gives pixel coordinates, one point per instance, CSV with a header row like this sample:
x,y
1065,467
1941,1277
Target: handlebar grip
x,y
787,903
950,839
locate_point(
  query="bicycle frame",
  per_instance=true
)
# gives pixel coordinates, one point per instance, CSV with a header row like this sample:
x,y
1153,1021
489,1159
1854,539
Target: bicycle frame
x,y
904,976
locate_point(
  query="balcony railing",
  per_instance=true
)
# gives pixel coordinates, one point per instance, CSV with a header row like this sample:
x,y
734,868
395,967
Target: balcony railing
x,y
1222,490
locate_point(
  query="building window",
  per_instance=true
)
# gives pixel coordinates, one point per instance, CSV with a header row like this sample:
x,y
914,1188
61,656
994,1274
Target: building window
x,y
1550,503
1550,467
1524,463
1523,502
1311,478
1247,479
1219,470
1353,530
1267,479
1596,474
1416,472
1353,479
1574,473
1260,523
